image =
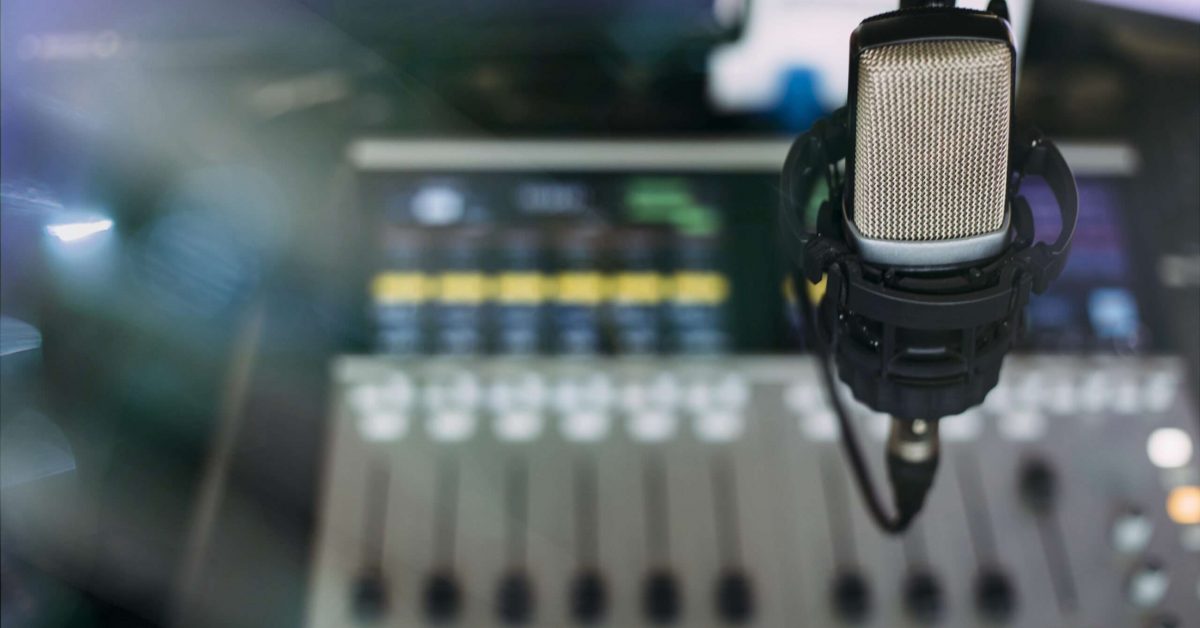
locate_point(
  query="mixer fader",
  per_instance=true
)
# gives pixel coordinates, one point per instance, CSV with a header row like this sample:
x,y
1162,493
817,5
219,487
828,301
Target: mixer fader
x,y
695,492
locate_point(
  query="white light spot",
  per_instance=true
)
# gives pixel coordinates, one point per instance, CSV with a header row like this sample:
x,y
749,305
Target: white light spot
x,y
659,394
803,398
1022,425
961,428
438,205
526,391
1131,532
733,392
518,426
592,392
75,231
820,426
878,425
1126,397
382,427
719,427
1148,587
1169,448
1095,392
455,390
1160,390
652,427
1061,396
1000,397
451,426
584,426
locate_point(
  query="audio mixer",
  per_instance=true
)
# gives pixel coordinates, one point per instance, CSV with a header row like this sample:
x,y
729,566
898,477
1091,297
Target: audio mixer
x,y
711,491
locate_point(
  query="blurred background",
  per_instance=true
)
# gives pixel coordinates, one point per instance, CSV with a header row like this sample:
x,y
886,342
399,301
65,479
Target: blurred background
x,y
204,203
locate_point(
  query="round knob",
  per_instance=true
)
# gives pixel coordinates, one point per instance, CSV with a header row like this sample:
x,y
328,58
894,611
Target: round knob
x,y
589,598
661,598
514,599
995,597
851,597
443,598
735,597
923,597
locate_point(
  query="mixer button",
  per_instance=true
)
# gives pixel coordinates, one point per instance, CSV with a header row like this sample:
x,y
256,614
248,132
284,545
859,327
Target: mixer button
x,y
514,599
923,597
584,426
661,601
370,596
735,598
443,598
1131,531
589,598
851,597
1148,584
653,426
719,427
995,597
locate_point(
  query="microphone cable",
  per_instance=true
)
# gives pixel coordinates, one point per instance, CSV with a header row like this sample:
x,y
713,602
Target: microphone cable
x,y
910,481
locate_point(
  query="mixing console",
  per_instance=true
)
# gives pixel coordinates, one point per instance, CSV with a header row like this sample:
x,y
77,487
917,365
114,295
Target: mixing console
x,y
693,491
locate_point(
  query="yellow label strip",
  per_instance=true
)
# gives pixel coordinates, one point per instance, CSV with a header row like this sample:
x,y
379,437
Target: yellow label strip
x,y
699,288
400,288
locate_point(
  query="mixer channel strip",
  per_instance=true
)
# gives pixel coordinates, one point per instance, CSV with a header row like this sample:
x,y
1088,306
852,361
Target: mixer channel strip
x,y
694,492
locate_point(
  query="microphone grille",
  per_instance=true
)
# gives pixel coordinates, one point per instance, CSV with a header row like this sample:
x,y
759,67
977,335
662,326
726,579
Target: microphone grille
x,y
931,139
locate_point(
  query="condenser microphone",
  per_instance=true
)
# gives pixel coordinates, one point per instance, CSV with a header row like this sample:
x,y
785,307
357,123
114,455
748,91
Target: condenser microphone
x,y
923,254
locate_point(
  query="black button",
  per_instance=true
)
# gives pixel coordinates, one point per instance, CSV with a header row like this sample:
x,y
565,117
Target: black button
x,y
1037,485
735,597
443,598
660,597
589,598
923,597
370,596
514,598
851,597
995,597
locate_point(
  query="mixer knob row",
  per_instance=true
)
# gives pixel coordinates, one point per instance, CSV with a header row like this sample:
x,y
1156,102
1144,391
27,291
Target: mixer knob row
x,y
1093,391
661,597
464,389
453,426
515,601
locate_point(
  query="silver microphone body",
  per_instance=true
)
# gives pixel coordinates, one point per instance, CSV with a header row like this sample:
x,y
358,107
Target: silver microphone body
x,y
932,124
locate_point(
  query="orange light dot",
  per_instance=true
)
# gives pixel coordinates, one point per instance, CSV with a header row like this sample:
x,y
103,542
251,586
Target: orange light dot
x,y
1183,505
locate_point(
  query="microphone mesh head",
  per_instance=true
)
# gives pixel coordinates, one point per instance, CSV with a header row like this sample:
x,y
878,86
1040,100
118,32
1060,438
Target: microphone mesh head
x,y
931,139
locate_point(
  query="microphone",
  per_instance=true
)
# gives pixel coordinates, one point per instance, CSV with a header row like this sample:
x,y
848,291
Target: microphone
x,y
914,277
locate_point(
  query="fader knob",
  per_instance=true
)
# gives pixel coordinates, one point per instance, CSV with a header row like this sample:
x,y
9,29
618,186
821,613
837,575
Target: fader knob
x,y
994,595
923,597
514,599
443,599
589,598
851,597
370,596
1037,485
735,597
660,598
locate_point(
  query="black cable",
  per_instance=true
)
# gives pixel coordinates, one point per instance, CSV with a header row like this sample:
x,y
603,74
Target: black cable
x,y
910,481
